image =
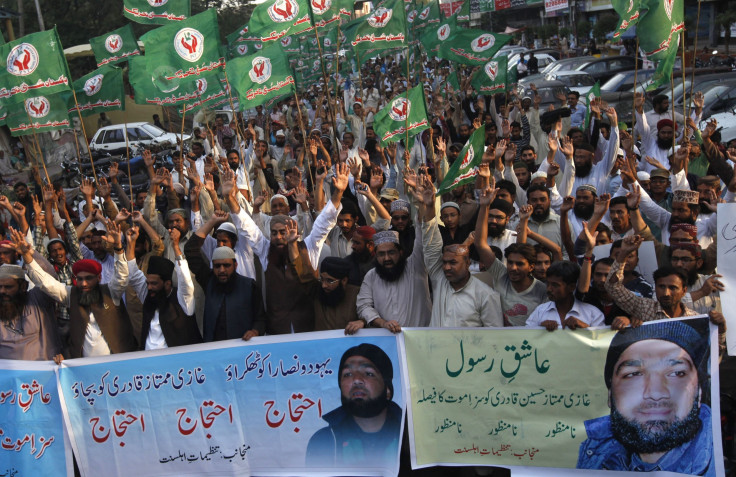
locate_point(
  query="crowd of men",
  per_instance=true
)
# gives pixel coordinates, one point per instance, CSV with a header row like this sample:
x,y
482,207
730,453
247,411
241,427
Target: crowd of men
x,y
294,218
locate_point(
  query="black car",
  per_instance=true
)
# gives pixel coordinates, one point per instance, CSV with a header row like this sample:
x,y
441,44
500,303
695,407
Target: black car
x,y
603,69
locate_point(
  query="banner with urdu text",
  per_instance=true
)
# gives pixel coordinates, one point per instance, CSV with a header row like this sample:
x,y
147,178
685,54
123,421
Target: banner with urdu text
x,y
272,406
532,398
32,439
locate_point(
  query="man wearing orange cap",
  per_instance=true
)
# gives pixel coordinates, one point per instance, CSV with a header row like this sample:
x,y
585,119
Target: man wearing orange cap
x,y
98,321
362,259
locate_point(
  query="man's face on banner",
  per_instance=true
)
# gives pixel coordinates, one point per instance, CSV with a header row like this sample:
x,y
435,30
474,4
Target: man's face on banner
x,y
362,387
654,397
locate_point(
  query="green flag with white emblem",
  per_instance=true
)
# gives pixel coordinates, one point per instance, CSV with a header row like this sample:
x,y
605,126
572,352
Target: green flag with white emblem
x,y
148,90
400,115
434,35
472,47
101,90
33,65
465,167
114,47
185,50
273,20
383,28
262,76
493,77
39,114
161,12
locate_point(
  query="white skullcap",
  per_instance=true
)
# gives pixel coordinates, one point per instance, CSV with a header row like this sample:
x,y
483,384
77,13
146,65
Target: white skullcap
x,y
227,227
223,253
643,176
279,196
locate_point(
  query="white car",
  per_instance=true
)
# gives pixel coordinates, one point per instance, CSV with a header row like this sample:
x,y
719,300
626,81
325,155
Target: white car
x,y
510,50
543,59
112,139
726,121
579,81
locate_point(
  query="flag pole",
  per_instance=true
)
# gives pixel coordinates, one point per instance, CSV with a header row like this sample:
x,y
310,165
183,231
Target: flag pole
x,y
686,108
408,85
333,110
636,72
337,66
304,135
38,146
181,135
674,124
695,54
127,154
239,133
84,133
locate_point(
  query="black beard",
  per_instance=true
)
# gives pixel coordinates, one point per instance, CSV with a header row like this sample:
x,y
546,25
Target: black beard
x,y
155,301
13,307
704,210
541,216
692,277
277,256
365,407
654,436
583,171
332,298
583,211
664,143
391,274
362,257
495,230
91,297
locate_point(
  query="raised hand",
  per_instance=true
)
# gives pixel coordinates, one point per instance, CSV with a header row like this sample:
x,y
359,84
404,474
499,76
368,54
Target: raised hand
x,y
228,183
49,194
633,198
630,243
601,204
627,142
341,178
568,203
19,242
410,177
710,128
219,217
698,100
132,234
159,177
209,183
260,199
639,101
301,195
441,147
425,191
589,238
566,146
525,213
487,196
103,188
505,128
553,169
510,154
292,231
87,188
148,158
123,215
37,207
500,149
137,216
19,208
354,166
113,172
484,170
114,235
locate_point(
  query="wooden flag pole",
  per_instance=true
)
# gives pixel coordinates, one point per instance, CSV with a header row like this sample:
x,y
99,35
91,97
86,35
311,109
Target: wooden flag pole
x,y
304,136
337,68
181,134
674,124
695,54
686,108
84,133
127,154
333,106
408,85
76,143
636,72
38,146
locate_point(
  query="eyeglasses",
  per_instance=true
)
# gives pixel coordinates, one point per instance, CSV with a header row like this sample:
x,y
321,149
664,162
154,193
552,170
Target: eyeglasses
x,y
328,281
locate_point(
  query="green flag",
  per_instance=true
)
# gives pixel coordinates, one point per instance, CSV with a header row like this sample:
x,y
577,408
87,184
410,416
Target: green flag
x,y
472,47
658,29
493,77
663,73
3,113
464,14
260,77
273,20
148,90
33,65
428,16
39,114
595,92
115,46
326,14
464,169
211,91
400,115
101,90
383,28
185,50
629,11
157,11
434,35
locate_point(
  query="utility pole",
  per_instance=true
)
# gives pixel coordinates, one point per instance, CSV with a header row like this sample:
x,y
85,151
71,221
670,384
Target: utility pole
x,y
21,26
40,16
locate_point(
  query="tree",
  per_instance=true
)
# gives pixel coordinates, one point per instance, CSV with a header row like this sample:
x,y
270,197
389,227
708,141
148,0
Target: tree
x,y
606,24
584,29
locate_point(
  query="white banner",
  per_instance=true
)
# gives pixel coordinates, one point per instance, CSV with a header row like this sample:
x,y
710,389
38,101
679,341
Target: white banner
x,y
553,5
726,255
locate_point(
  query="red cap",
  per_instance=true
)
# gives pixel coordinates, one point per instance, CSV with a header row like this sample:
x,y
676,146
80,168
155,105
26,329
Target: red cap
x,y
87,265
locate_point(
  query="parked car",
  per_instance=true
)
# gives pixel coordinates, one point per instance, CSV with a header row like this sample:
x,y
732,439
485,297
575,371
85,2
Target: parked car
x,y
575,80
543,59
509,50
718,98
111,139
603,69
702,81
624,81
548,90
726,124
567,64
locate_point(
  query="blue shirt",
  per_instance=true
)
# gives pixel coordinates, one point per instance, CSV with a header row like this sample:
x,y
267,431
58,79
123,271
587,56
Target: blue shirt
x,y
577,116
601,450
